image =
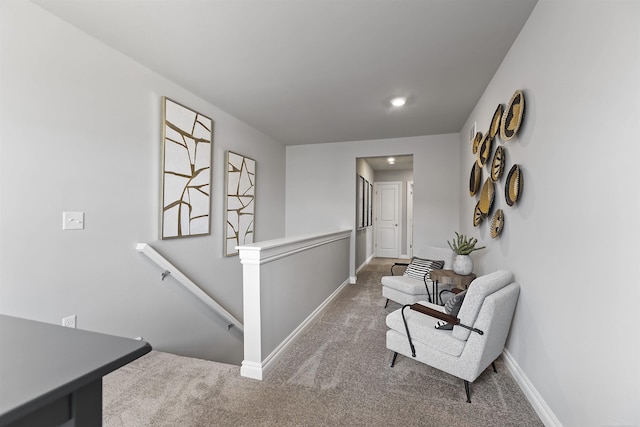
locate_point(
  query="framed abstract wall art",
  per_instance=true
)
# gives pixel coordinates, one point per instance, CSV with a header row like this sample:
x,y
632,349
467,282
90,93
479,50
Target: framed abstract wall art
x,y
364,208
187,139
365,204
370,207
360,219
240,202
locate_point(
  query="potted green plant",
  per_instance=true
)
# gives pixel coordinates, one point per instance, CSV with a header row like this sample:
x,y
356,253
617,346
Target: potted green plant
x,y
463,246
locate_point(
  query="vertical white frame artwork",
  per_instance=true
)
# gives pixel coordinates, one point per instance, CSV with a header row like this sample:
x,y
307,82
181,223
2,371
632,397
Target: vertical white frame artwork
x,y
187,139
239,202
365,204
370,207
360,221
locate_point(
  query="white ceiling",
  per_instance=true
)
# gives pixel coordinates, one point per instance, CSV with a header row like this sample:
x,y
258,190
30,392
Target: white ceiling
x,y
311,71
382,164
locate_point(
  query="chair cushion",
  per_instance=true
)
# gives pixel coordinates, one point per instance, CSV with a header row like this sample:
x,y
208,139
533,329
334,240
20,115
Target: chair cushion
x,y
403,298
422,329
452,307
405,284
478,290
418,268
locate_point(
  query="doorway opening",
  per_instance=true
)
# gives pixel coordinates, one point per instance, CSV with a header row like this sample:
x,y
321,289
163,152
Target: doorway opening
x,y
389,234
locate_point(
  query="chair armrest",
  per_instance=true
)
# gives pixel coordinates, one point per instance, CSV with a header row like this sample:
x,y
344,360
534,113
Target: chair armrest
x,y
442,316
406,264
454,291
435,313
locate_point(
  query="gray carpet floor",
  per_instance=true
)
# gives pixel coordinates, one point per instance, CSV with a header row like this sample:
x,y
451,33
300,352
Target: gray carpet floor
x,y
337,373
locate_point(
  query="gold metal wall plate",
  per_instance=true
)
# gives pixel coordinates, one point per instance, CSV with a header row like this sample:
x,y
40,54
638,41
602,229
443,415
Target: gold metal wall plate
x,y
474,179
495,122
486,196
484,151
497,165
497,223
512,116
513,186
478,216
476,142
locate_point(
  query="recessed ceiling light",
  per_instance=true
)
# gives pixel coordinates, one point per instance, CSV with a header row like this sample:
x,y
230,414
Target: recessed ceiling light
x,y
398,102
391,160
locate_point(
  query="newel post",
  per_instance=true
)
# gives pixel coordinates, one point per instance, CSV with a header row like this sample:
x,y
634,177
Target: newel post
x,y
252,362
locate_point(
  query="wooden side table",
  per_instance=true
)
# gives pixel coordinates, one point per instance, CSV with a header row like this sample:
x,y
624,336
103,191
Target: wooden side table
x,y
449,277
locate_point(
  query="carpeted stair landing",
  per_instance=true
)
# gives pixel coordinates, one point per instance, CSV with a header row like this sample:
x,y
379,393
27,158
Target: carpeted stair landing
x,y
336,374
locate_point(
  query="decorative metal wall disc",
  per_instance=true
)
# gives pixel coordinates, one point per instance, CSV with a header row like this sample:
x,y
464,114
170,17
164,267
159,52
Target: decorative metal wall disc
x,y
497,223
512,116
495,122
474,179
513,186
478,216
484,151
486,196
476,142
497,165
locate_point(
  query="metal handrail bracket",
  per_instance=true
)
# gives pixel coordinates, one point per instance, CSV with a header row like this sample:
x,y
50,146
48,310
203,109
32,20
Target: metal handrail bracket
x,y
170,269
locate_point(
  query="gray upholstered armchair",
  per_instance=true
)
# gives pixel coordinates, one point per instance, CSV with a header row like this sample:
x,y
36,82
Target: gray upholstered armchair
x,y
409,288
476,338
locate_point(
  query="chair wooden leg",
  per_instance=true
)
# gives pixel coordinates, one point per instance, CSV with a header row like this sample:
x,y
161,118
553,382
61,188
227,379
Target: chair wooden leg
x,y
386,303
393,361
494,367
466,389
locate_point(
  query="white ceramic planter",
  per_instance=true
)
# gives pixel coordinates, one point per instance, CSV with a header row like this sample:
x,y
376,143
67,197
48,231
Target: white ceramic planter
x,y
463,264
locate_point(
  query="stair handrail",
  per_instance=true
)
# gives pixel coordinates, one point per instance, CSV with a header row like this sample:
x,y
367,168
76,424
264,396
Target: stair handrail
x,y
170,269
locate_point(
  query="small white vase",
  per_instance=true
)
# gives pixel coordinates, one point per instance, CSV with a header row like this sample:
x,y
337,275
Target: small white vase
x,y
463,264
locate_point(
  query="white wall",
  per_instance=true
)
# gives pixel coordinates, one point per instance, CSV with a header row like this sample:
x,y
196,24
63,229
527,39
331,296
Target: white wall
x,y
321,192
572,240
363,236
81,132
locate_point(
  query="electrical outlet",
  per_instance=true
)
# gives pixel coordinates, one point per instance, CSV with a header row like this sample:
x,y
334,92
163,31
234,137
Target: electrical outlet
x,y
73,220
69,321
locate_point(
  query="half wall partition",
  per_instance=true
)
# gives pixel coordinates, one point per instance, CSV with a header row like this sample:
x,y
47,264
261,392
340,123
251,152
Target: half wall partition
x,y
286,283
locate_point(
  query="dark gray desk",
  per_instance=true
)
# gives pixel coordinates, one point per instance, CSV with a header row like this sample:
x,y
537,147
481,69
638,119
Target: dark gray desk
x,y
52,376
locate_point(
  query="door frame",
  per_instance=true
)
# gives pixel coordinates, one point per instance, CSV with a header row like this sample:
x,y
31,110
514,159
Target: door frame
x,y
375,216
410,219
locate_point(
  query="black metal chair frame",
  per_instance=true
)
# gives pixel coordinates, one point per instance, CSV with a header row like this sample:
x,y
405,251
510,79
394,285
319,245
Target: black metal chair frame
x,y
441,316
424,279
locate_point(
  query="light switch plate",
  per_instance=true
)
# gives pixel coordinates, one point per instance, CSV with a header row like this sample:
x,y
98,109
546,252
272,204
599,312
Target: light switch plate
x,y
73,220
472,131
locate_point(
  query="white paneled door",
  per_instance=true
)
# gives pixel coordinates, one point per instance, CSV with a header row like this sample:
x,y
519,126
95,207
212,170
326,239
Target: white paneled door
x,y
387,224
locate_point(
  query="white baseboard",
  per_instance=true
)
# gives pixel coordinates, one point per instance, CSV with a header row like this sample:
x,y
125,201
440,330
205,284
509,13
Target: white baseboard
x,y
253,370
539,405
363,265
